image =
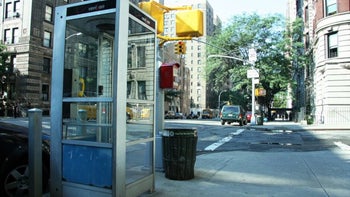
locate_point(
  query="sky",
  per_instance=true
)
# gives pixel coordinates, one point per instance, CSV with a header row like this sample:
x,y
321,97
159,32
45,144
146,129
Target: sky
x,y
225,9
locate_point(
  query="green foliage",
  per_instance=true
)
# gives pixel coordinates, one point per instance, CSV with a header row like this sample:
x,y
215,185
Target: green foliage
x,y
267,35
280,100
4,64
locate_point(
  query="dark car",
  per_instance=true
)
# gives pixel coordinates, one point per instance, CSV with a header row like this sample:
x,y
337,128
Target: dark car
x,y
233,113
14,175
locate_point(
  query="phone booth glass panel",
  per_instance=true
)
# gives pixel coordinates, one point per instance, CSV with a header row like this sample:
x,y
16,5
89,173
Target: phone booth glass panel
x,y
103,104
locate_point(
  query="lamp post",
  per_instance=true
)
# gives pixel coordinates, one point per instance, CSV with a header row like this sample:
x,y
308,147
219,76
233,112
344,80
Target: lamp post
x,y
75,34
255,74
219,99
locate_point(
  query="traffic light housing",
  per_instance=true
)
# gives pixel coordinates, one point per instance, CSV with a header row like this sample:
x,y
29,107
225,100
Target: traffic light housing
x,y
180,47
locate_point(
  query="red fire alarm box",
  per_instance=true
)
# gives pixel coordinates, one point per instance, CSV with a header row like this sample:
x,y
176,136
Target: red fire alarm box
x,y
169,75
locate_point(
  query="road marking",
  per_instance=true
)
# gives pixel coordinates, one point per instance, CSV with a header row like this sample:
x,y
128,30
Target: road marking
x,y
222,141
342,146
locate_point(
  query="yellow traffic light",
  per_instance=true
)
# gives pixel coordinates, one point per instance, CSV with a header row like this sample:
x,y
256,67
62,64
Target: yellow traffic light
x,y
180,47
189,23
177,51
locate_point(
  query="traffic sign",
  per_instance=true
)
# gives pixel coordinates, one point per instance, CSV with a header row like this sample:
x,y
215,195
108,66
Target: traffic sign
x,y
252,55
252,73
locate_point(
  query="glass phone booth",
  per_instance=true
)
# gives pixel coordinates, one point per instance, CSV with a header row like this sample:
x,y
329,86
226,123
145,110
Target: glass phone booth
x,y
103,100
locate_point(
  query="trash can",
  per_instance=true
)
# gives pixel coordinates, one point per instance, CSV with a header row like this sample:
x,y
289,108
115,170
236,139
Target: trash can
x,y
179,153
259,120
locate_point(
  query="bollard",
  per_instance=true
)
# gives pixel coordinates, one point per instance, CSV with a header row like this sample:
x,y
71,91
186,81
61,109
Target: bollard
x,y
35,152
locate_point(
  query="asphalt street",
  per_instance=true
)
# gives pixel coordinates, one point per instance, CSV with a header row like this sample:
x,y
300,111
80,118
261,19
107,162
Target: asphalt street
x,y
274,159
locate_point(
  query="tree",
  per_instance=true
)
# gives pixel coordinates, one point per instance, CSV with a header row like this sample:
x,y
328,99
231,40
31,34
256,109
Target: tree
x,y
4,63
300,62
267,36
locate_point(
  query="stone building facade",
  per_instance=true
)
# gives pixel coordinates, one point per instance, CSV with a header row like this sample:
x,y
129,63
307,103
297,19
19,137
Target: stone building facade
x,y
331,45
27,29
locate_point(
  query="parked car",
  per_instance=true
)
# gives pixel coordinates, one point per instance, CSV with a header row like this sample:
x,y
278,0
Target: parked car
x,y
233,113
179,116
207,114
14,175
192,116
248,116
170,115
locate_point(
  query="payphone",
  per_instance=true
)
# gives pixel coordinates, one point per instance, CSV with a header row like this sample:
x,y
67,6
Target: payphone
x,y
103,100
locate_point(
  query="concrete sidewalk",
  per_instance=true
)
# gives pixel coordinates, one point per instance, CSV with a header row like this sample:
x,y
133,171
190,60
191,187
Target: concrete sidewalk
x,y
244,173
239,173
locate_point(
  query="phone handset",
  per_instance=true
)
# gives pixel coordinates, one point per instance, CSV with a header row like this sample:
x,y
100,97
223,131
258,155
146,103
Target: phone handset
x,y
81,87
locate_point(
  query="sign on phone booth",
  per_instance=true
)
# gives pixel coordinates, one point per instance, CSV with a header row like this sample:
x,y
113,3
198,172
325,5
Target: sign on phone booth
x,y
103,100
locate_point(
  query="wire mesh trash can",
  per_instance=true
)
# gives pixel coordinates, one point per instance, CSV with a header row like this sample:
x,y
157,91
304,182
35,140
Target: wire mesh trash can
x,y
179,153
259,120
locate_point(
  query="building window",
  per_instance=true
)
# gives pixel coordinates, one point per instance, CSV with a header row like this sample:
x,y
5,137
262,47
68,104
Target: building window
x,y
331,7
307,40
45,92
15,35
141,56
12,9
47,65
142,90
48,13
16,8
47,39
11,36
306,16
9,10
82,50
7,37
332,41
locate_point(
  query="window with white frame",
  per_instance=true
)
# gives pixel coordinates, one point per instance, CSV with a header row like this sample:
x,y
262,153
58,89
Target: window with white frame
x,y
7,36
12,9
8,10
15,35
331,7
17,8
332,45
11,36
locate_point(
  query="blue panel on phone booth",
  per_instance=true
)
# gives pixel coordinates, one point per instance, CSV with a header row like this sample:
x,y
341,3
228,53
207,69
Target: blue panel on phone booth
x,y
87,165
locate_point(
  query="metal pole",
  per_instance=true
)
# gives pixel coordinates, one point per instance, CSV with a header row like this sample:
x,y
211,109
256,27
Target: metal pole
x,y
219,99
252,120
35,153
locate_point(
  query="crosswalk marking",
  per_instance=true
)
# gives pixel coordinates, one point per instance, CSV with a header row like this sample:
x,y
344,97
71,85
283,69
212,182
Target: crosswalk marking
x,y
222,141
342,146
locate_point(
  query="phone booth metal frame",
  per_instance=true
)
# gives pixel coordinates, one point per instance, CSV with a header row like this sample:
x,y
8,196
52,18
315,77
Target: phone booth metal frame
x,y
103,100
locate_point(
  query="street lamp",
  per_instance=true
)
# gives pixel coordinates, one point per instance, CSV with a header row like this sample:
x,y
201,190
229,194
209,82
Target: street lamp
x,y
252,59
219,99
75,34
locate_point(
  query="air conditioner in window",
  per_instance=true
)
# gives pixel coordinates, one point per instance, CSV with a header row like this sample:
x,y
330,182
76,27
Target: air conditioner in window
x,y
16,14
